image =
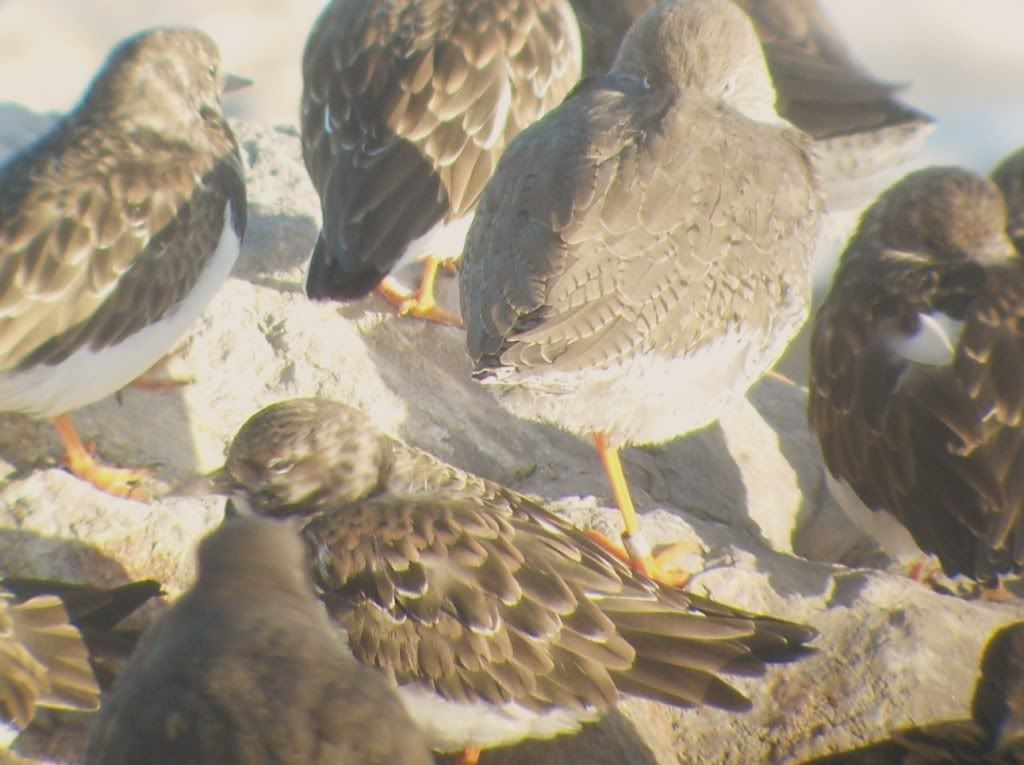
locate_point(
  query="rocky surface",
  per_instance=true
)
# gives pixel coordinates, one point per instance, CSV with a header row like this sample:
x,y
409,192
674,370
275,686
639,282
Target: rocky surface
x,y
750,490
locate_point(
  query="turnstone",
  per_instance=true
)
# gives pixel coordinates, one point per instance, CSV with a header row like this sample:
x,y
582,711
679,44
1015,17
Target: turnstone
x,y
993,736
406,107
641,255
116,229
917,376
246,667
497,620
53,636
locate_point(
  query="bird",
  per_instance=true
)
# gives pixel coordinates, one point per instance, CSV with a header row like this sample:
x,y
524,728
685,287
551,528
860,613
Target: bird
x,y
863,132
56,639
641,255
246,668
915,392
406,107
994,735
117,228
497,620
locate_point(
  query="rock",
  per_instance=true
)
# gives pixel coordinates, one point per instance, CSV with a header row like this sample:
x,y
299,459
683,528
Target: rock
x,y
750,490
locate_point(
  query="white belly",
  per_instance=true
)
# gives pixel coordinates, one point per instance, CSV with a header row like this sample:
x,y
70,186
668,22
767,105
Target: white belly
x,y
87,375
444,241
650,399
450,726
891,535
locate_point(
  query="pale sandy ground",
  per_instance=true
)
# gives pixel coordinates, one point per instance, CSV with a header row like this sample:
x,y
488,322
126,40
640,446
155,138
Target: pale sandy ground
x,y
891,652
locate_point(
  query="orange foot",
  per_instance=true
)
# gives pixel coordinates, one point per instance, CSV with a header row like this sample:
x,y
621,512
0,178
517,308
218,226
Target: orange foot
x,y
663,567
998,594
121,482
160,380
422,305
469,756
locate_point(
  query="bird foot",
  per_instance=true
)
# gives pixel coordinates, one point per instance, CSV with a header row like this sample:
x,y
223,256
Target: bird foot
x,y
998,594
82,462
419,306
160,379
468,756
121,482
663,567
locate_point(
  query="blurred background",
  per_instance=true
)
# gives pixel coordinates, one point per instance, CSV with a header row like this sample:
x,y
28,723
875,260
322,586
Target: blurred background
x,y
963,62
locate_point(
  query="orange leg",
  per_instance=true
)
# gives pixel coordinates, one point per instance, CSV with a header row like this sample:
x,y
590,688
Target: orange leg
x,y
470,756
159,379
635,548
998,594
423,304
120,482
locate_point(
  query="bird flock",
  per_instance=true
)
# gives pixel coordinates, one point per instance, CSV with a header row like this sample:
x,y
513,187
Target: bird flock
x,y
633,194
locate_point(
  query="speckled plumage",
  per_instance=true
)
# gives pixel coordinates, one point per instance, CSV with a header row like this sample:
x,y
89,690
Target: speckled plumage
x,y
406,107
641,255
246,669
109,222
481,605
917,370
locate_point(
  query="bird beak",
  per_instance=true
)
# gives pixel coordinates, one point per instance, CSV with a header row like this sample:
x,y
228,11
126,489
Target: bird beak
x,y
219,482
233,82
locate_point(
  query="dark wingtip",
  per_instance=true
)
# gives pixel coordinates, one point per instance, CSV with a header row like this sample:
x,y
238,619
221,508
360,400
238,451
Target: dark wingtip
x,y
327,279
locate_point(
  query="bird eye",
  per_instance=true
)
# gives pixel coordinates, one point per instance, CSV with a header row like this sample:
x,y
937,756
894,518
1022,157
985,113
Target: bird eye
x,y
280,466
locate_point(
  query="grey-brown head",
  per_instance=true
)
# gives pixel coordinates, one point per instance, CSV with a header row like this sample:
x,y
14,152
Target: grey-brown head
x,y
709,46
302,456
946,213
244,551
168,80
1009,176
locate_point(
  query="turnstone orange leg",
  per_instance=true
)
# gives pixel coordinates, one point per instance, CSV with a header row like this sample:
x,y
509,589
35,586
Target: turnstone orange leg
x,y
422,305
635,550
998,593
159,379
121,482
469,756
669,572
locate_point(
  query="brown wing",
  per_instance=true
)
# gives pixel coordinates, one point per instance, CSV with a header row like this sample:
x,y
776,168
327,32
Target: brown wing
x,y
99,244
608,220
821,89
43,660
406,108
941,448
476,604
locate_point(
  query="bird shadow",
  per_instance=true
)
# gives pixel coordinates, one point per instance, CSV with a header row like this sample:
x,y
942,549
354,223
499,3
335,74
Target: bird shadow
x,y
613,740
977,740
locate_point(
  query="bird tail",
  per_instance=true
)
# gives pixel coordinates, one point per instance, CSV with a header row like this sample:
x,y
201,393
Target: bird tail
x,y
91,614
682,656
43,660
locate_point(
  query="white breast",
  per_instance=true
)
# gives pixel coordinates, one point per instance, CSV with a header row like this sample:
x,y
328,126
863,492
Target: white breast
x,y
452,726
933,344
650,399
88,375
444,241
891,535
